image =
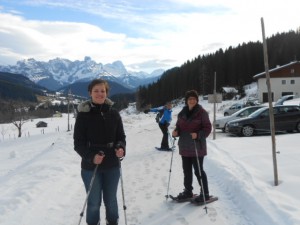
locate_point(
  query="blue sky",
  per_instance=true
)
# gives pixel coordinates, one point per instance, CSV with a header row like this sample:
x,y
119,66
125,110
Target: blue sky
x,y
144,34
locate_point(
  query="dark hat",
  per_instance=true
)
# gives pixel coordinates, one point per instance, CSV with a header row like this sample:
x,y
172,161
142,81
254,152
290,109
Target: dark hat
x,y
191,93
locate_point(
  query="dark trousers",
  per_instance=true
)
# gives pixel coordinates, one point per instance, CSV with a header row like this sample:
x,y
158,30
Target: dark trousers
x,y
164,129
188,163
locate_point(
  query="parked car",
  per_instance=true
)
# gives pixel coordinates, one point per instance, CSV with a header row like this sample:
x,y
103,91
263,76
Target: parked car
x,y
221,123
286,119
294,101
283,99
232,109
252,101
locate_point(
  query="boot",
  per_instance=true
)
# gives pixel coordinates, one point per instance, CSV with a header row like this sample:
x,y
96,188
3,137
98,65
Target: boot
x,y
201,197
185,195
112,222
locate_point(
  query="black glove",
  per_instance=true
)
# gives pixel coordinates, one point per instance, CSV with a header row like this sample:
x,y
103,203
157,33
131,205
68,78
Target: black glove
x,y
146,111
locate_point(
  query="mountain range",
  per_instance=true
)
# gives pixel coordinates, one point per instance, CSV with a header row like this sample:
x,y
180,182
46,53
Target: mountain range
x,y
62,74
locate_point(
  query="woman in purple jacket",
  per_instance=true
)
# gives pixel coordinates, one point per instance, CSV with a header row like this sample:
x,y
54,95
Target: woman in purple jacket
x,y
193,127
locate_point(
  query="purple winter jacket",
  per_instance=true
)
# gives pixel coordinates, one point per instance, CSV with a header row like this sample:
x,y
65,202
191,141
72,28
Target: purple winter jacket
x,y
194,121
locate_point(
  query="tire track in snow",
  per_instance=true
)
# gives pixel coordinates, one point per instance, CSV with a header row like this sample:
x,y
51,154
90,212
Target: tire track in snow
x,y
230,180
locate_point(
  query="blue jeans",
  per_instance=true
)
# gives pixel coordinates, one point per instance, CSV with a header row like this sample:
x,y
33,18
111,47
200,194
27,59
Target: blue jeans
x,y
105,185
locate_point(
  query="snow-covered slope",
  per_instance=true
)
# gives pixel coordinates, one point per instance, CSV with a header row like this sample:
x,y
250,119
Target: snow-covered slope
x,y
40,179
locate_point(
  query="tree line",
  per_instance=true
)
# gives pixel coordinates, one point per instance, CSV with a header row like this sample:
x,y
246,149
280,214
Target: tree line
x,y
234,67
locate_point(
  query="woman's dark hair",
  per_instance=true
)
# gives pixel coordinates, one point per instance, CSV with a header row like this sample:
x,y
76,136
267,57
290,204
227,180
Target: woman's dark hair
x,y
96,82
191,93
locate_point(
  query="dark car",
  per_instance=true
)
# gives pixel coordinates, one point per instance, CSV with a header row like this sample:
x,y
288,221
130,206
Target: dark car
x,y
286,119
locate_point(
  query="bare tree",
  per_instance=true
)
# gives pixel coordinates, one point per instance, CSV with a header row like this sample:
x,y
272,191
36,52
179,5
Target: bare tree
x,y
19,117
19,125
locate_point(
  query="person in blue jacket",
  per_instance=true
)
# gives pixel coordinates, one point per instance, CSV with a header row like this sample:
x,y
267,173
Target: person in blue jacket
x,y
164,123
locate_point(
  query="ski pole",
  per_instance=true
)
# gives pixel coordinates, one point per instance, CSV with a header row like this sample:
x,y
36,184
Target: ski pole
x,y
173,146
205,206
88,193
171,139
123,195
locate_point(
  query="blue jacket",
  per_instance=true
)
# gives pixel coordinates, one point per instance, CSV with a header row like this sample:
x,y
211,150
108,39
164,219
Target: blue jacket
x,y
167,116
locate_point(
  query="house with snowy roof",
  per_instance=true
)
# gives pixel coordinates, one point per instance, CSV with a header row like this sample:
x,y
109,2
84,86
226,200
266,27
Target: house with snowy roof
x,y
284,80
229,93
41,124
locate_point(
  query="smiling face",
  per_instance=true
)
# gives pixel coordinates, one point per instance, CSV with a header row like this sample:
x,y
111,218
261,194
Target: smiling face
x,y
98,93
191,102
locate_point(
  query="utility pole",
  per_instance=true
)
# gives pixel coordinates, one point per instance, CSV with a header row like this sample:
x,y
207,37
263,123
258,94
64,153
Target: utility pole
x,y
272,126
68,99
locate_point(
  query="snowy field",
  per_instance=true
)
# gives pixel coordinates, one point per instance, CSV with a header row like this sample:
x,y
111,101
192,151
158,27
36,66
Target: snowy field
x,y
40,181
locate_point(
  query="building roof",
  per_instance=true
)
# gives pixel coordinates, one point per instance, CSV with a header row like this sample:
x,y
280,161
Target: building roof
x,y
230,90
275,69
41,122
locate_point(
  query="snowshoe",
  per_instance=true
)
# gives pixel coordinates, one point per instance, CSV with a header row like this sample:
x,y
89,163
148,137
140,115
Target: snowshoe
x,y
199,200
163,149
184,196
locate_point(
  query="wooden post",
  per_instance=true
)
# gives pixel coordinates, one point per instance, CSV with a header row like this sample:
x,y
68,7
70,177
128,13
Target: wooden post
x,y
215,101
272,126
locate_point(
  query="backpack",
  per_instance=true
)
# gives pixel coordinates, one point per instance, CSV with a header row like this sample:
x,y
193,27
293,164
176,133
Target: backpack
x,y
159,115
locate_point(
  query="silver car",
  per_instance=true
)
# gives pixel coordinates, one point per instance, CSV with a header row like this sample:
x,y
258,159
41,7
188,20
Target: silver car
x,y
232,109
221,123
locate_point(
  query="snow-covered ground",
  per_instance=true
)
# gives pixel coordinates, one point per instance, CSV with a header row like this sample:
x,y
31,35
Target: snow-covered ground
x,y
40,181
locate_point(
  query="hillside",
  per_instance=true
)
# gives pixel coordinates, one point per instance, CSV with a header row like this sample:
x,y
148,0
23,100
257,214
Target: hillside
x,y
233,67
18,87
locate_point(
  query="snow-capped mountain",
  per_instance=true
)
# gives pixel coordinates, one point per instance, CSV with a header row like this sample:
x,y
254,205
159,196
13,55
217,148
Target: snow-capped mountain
x,y
57,73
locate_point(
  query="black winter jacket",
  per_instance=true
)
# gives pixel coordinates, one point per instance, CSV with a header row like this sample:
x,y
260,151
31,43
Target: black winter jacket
x,y
97,126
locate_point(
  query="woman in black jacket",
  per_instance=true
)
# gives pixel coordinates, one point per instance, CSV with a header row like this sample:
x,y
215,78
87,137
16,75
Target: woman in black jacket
x,y
99,139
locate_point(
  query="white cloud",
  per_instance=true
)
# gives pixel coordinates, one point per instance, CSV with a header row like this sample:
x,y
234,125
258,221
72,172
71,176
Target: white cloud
x,y
173,35
46,40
